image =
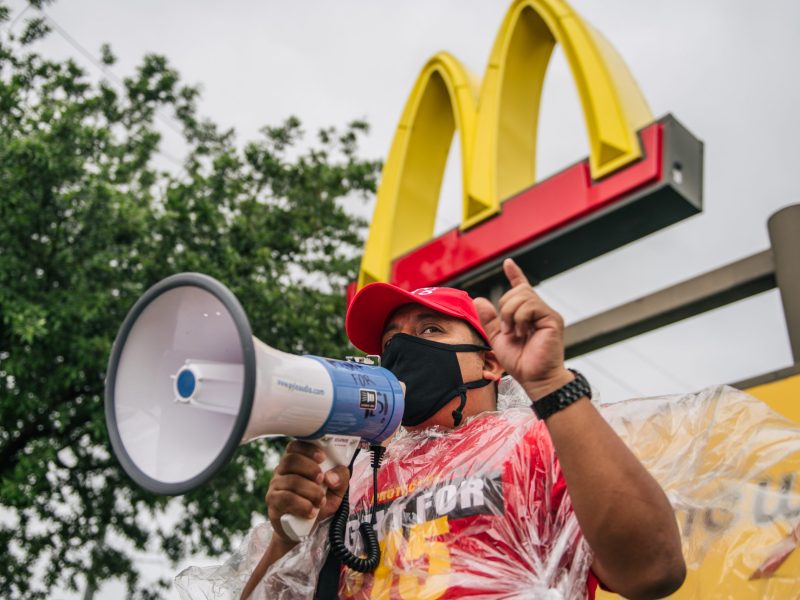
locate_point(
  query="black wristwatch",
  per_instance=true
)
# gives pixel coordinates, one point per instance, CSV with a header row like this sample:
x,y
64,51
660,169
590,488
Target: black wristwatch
x,y
562,397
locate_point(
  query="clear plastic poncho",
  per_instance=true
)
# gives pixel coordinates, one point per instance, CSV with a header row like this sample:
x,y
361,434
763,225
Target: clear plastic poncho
x,y
482,511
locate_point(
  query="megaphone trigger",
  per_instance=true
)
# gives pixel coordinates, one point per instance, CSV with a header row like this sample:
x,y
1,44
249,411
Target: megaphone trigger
x,y
339,450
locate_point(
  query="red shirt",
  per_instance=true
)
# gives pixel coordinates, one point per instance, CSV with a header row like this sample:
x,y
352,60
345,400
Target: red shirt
x,y
478,512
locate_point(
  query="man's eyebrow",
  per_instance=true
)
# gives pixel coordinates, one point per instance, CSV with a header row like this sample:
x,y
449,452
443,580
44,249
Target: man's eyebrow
x,y
431,315
392,325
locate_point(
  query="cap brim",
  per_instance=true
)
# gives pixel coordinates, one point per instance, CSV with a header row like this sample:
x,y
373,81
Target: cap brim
x,y
369,310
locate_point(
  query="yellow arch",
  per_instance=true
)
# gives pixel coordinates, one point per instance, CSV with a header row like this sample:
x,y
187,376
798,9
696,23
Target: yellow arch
x,y
498,128
444,97
613,107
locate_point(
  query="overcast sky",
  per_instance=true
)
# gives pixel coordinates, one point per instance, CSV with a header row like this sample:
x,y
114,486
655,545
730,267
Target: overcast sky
x,y
726,69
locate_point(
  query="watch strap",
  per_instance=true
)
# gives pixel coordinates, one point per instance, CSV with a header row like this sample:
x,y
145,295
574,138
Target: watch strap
x,y
562,397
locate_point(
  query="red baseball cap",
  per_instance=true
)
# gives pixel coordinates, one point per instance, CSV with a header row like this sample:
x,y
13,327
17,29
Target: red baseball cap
x,y
374,304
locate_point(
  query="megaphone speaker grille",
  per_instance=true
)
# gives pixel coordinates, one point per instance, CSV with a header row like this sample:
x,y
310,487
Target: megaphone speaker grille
x,y
164,441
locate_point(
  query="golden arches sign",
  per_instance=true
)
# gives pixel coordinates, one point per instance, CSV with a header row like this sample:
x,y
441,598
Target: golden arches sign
x,y
497,124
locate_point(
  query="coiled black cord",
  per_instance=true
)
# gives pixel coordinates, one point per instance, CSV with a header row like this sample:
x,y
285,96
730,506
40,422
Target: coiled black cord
x,y
368,535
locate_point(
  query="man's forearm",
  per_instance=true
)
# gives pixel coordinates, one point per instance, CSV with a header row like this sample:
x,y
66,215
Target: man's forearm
x,y
275,551
623,512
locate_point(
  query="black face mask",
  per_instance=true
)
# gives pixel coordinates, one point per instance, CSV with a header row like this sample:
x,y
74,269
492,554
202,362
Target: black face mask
x,y
431,373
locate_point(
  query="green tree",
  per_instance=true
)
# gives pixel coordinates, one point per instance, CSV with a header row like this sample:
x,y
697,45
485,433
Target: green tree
x,y
88,222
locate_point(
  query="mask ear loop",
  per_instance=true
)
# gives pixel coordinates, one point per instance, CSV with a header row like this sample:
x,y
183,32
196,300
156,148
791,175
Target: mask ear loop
x,y
458,414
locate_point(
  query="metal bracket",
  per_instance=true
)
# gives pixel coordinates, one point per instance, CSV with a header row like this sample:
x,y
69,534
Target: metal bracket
x,y
369,359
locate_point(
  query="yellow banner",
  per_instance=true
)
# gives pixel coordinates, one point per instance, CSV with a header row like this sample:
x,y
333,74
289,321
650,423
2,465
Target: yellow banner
x,y
731,467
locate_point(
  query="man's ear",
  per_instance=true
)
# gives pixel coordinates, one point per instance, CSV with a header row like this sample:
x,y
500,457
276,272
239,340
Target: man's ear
x,y
492,369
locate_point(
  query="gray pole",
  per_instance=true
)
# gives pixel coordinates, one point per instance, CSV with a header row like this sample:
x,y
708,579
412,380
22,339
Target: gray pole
x,y
784,235
89,593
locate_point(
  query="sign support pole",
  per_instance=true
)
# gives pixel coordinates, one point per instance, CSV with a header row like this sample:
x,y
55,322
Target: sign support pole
x,y
784,236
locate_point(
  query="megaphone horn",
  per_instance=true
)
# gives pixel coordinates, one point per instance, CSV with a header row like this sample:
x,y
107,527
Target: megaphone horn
x,y
187,383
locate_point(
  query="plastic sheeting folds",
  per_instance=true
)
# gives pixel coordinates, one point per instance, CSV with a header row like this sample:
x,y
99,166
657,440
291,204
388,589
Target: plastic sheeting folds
x,y
482,511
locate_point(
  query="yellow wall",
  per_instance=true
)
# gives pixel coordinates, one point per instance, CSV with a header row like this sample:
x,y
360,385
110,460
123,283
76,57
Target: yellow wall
x,y
782,396
744,541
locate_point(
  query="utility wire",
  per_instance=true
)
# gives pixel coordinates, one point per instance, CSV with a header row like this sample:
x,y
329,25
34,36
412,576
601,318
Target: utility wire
x,y
19,15
106,71
619,381
103,67
80,48
648,361
592,362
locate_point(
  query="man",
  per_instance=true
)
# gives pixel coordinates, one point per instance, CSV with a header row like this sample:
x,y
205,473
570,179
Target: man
x,y
461,350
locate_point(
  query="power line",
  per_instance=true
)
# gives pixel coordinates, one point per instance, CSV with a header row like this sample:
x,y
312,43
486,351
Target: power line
x,y
80,48
619,381
19,15
652,364
102,66
593,363
107,72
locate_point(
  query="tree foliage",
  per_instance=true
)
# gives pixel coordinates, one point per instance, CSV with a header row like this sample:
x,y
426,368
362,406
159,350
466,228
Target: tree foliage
x,y
88,221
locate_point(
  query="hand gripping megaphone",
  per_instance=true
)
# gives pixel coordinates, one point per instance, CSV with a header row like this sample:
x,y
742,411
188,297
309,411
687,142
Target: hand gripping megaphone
x,y
187,383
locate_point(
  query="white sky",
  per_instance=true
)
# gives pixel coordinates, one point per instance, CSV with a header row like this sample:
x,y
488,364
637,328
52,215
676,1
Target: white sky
x,y
726,69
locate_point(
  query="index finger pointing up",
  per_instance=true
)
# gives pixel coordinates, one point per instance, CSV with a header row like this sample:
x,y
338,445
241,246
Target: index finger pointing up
x,y
514,273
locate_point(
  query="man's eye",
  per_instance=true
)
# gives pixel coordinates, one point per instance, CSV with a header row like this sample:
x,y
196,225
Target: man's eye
x,y
431,329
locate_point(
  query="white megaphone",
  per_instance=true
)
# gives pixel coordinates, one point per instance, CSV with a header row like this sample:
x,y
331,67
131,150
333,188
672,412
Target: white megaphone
x,y
187,383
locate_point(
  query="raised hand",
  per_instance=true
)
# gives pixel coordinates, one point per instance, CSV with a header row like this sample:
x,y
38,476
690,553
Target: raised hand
x,y
527,336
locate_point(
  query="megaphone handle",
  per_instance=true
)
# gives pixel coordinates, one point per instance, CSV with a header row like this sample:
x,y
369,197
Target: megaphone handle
x,y
339,450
